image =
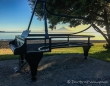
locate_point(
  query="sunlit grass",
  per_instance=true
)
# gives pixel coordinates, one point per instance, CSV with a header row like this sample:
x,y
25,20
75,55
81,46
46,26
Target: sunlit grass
x,y
5,51
96,51
99,52
7,54
70,50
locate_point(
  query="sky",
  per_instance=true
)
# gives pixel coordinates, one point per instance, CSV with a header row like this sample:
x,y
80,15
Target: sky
x,y
15,16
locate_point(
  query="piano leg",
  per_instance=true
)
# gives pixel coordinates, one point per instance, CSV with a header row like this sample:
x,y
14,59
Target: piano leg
x,y
33,60
86,50
22,61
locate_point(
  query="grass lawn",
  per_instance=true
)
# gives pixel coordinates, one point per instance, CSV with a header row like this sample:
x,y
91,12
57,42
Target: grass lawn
x,y
96,51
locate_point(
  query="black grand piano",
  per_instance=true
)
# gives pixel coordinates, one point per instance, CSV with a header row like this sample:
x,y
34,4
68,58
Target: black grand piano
x,y
30,47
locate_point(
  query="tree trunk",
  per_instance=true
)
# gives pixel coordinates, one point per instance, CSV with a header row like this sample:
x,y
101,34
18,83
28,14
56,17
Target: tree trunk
x,y
107,26
98,30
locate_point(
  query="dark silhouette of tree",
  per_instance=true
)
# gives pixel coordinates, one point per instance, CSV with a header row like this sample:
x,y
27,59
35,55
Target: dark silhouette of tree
x,y
96,12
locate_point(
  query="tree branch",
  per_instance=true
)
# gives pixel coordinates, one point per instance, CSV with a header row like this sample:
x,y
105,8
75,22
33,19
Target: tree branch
x,y
97,14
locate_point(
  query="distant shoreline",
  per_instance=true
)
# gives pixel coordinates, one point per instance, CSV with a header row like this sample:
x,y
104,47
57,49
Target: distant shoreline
x,y
9,32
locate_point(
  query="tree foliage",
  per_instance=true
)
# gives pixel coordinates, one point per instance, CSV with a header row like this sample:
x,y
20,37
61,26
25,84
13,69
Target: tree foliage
x,y
91,9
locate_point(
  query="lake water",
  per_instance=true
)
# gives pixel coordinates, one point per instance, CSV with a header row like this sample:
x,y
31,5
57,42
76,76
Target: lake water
x,y
10,35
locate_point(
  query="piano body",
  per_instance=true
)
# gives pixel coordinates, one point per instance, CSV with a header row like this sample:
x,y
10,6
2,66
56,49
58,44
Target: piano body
x,y
30,49
30,45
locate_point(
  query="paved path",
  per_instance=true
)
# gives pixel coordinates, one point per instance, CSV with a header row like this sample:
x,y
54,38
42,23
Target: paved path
x,y
59,70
